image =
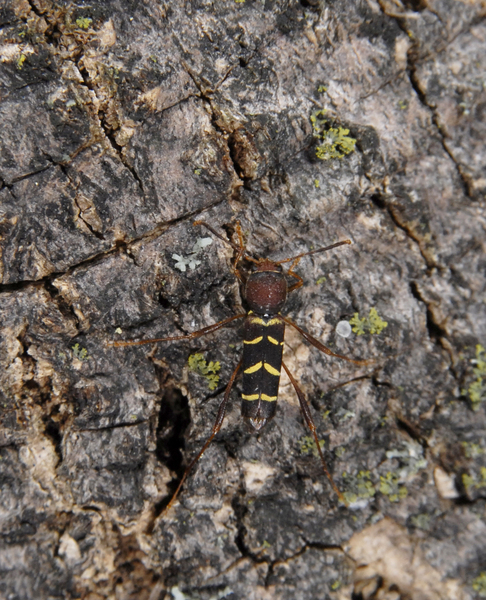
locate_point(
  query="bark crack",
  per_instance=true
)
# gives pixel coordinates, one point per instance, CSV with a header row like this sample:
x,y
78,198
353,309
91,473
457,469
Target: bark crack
x,y
412,62
383,201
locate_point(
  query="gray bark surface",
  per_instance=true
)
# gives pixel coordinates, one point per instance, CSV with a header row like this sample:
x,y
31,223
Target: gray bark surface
x,y
123,122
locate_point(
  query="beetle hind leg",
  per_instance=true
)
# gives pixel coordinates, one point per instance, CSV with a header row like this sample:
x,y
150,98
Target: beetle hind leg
x,y
310,423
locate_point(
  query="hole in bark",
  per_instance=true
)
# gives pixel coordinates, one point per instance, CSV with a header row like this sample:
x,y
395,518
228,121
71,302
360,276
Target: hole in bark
x,y
52,431
164,302
174,418
378,201
416,5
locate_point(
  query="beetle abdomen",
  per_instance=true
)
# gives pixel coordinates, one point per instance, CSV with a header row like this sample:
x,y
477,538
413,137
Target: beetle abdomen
x,y
262,361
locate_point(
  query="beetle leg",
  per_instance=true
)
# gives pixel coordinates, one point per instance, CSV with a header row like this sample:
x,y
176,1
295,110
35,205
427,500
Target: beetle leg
x,y
300,281
189,336
216,428
310,424
317,344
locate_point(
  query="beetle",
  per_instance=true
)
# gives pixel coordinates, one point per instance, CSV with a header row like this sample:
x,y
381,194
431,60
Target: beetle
x,y
265,292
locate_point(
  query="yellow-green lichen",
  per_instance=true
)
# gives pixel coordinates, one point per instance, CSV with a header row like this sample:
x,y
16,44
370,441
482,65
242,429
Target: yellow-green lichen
x,y
322,88
334,142
340,451
477,389
209,371
321,280
373,323
360,487
80,353
389,486
479,585
472,450
308,445
421,521
471,482
83,22
20,61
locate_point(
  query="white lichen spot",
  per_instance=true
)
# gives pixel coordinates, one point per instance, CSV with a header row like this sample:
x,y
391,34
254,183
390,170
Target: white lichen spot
x,y
201,243
182,262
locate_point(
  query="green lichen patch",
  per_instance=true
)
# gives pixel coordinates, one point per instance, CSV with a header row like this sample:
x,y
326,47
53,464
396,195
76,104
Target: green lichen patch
x,y
421,521
472,450
373,323
390,486
83,22
80,353
474,482
359,487
479,585
208,370
334,142
477,389
308,445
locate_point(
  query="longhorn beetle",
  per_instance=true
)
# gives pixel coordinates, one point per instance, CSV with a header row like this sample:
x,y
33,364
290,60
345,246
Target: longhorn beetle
x,y
266,291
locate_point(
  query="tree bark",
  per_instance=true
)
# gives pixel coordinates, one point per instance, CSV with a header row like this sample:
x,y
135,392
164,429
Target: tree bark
x,y
308,122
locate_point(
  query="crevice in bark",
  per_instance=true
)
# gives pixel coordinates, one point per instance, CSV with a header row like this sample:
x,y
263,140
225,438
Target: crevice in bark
x,y
53,432
87,225
411,430
300,552
381,201
119,245
173,421
412,73
27,175
226,135
113,426
437,333
239,510
412,60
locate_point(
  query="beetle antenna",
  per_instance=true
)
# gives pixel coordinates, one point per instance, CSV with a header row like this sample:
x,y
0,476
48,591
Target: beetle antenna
x,y
299,256
236,247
